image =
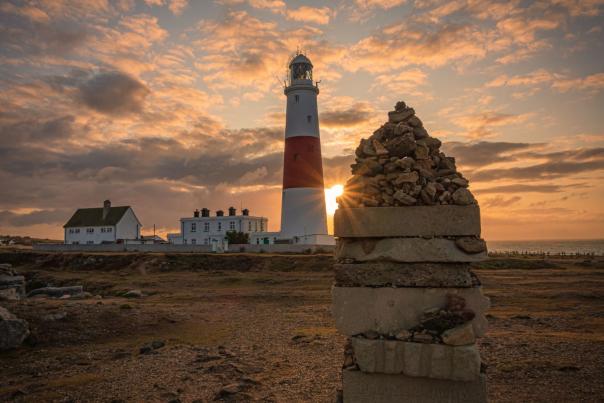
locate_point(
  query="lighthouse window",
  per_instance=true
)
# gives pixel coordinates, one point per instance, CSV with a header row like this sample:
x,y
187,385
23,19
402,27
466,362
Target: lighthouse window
x,y
308,118
297,98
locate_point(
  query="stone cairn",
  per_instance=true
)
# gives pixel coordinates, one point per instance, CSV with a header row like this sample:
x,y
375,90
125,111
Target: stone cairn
x,y
407,229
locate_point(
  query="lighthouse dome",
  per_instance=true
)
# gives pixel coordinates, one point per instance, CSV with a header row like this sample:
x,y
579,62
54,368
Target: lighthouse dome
x,y
300,68
300,59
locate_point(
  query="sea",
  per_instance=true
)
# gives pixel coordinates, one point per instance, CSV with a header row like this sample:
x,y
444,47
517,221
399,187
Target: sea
x,y
552,247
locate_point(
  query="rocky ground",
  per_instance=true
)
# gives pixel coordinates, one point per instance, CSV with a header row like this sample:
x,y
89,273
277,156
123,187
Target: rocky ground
x,y
258,328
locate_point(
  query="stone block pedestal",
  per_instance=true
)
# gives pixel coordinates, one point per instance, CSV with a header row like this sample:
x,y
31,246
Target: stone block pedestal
x,y
360,387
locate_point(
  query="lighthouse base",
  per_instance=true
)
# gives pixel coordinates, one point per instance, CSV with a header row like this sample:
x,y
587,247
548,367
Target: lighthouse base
x,y
303,213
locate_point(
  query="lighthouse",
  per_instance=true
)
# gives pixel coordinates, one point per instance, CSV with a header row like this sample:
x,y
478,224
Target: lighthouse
x,y
303,215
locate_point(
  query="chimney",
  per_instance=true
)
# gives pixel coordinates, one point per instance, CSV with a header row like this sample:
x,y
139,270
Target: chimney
x,y
196,213
219,213
245,211
232,211
106,208
205,212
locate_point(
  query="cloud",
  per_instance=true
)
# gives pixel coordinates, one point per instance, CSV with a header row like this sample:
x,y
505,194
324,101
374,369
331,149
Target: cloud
x,y
9,218
500,201
400,45
482,153
482,124
557,165
178,6
317,15
354,115
113,93
593,82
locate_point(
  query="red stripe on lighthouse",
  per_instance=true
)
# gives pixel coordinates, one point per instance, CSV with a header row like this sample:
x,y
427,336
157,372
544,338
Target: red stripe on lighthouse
x,y
302,164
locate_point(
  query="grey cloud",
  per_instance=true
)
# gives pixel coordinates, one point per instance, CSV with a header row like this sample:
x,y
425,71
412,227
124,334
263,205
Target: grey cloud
x,y
33,218
499,201
356,114
484,152
113,93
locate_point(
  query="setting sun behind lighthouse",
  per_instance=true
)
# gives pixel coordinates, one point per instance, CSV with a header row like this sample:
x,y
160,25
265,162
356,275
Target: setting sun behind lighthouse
x,y
330,198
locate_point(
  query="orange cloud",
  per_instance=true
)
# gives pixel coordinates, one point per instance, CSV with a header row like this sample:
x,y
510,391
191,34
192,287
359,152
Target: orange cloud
x,y
317,15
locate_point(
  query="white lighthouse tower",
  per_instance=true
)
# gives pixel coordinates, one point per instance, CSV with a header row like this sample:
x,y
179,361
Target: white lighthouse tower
x,y
303,215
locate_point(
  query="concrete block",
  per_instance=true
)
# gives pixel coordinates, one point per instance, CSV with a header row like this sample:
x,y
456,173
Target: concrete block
x,y
382,274
386,310
408,250
360,387
417,359
409,221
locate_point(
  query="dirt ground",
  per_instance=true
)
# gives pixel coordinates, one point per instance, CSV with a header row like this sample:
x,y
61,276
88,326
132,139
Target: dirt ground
x,y
261,325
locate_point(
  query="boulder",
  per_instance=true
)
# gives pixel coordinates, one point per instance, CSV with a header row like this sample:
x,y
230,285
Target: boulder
x,y
459,336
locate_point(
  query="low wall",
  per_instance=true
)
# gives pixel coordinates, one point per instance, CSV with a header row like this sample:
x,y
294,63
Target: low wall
x,y
171,248
281,248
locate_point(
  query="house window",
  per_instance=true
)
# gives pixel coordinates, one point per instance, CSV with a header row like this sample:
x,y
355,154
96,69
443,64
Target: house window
x,y
109,229
297,98
261,226
193,227
255,226
193,241
90,230
308,118
206,227
232,225
249,226
206,241
75,243
219,226
90,242
71,230
77,230
102,229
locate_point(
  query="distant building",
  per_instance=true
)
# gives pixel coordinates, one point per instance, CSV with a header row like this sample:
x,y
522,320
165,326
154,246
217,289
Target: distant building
x,y
203,229
102,225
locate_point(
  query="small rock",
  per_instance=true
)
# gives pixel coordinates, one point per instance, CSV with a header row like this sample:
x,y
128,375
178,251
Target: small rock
x,y
228,390
155,344
379,148
461,182
134,294
55,316
402,334
371,335
459,336
406,177
404,198
400,115
471,245
463,197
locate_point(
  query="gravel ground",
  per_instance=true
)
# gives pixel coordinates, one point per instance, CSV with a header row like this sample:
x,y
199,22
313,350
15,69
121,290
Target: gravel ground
x,y
264,332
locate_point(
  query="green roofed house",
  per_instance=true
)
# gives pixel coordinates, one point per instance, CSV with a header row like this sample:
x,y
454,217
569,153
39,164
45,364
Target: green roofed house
x,y
102,225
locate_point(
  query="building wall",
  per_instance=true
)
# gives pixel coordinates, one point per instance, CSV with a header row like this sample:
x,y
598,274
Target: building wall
x,y
90,235
194,230
128,227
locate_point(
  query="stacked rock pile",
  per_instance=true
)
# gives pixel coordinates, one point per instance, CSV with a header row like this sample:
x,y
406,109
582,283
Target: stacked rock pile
x,y
12,286
407,230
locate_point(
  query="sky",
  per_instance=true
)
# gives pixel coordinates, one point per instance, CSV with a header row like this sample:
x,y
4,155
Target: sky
x,y
173,105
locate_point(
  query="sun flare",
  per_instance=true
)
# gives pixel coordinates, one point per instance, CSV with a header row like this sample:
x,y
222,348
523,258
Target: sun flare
x,y
330,198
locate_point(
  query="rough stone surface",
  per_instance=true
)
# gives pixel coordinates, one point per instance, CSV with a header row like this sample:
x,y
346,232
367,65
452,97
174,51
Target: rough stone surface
x,y
387,310
404,250
384,274
12,330
12,287
360,387
459,336
416,359
415,221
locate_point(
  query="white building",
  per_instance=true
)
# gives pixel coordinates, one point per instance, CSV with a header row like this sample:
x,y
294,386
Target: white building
x,y
203,229
102,225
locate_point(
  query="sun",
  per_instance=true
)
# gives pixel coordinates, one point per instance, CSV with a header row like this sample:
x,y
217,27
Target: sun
x,y
330,198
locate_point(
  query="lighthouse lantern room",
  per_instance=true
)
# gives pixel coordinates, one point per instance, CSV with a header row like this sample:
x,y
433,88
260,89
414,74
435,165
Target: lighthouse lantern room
x,y
303,215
